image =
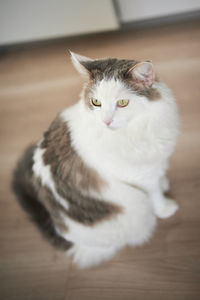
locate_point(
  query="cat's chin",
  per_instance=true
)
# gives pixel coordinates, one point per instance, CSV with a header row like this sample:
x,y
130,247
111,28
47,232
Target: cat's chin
x,y
111,127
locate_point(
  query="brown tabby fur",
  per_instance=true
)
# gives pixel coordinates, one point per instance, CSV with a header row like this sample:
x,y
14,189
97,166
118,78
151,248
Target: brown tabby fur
x,y
118,69
72,180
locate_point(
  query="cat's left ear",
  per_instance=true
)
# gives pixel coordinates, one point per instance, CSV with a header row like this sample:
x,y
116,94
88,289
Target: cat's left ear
x,y
143,72
80,63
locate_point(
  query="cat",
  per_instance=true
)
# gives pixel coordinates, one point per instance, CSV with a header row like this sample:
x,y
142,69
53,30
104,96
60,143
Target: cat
x,y
95,182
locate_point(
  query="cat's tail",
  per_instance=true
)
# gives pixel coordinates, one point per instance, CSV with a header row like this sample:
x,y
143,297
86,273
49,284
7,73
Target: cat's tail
x,y
27,197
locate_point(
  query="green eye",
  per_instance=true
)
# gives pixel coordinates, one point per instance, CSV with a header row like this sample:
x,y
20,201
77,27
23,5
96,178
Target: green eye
x,y
122,102
95,102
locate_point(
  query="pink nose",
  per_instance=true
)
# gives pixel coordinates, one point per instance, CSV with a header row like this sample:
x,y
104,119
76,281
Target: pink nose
x,y
107,122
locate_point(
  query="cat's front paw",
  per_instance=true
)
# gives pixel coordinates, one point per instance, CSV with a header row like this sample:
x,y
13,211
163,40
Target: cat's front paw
x,y
167,209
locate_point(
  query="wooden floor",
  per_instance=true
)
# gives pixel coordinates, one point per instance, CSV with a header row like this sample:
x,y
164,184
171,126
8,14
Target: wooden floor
x,y
35,84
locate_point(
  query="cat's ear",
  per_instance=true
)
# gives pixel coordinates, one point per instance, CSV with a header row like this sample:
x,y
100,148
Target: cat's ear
x,y
143,72
80,63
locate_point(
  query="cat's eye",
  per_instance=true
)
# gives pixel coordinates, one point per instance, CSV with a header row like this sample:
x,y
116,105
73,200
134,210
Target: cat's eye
x,y
95,102
122,102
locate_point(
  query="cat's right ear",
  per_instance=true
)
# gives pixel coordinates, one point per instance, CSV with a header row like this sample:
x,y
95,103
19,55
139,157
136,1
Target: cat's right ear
x,y
80,63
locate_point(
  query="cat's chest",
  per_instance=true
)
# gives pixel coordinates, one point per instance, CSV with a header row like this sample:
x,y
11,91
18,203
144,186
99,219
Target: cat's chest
x,y
117,148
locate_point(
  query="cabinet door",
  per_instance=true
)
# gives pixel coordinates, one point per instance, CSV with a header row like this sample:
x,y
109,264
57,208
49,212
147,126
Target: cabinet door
x,y
134,10
28,20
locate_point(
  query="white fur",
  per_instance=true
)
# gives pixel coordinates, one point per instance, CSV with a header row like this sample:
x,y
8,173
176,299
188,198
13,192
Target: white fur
x,y
43,172
108,93
132,152
101,241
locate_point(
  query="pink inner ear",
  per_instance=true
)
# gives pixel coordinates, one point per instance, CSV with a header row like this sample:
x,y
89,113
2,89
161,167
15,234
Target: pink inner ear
x,y
143,72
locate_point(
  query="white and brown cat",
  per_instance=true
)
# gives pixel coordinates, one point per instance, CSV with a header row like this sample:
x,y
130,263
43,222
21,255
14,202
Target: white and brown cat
x,y
96,180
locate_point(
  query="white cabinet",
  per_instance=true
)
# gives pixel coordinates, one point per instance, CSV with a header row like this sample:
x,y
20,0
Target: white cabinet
x,y
29,20
134,10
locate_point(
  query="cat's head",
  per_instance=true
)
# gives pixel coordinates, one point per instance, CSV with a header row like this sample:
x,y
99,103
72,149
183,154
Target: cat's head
x,y
117,90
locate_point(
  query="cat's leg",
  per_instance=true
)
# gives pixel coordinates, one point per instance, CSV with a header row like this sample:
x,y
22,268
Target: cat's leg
x,y
133,225
87,256
164,182
163,207
141,218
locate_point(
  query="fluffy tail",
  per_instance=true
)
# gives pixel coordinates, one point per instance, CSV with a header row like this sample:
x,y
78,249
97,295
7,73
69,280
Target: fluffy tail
x,y
27,197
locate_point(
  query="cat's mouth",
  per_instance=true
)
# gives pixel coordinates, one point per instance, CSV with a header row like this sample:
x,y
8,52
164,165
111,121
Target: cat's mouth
x,y
111,127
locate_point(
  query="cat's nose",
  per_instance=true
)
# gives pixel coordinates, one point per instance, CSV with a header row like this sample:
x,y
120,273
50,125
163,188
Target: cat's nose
x,y
107,122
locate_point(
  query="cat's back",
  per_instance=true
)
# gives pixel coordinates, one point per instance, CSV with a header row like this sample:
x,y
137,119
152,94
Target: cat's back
x,y
33,178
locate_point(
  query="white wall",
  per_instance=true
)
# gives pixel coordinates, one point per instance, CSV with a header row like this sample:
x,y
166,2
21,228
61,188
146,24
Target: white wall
x,y
134,10
28,20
